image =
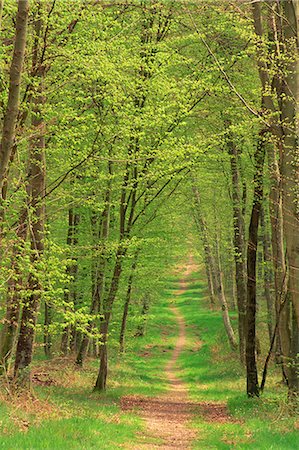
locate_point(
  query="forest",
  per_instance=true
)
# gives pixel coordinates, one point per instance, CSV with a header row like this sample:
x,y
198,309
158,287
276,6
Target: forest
x,y
149,224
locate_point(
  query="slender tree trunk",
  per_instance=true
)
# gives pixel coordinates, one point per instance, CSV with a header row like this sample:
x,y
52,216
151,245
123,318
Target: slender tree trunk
x,y
1,13
251,367
290,172
126,305
37,167
103,370
210,268
144,313
267,273
209,278
216,268
222,299
239,244
13,300
70,297
30,308
12,109
47,331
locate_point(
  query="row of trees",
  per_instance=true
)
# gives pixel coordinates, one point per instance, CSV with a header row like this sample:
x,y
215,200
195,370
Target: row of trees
x,y
269,214
127,127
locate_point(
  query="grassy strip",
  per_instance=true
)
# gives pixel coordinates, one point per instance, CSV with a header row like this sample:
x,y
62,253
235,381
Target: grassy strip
x,y
213,374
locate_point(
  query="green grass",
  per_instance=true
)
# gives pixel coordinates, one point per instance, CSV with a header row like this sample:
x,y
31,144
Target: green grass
x,y
68,415
213,374
76,418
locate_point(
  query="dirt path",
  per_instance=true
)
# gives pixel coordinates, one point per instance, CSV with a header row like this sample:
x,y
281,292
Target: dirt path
x,y
167,416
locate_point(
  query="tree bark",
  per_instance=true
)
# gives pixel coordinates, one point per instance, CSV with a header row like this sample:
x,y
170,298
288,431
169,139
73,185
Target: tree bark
x,y
222,299
37,187
13,299
290,191
37,167
239,243
70,297
267,273
47,331
103,369
126,304
251,367
144,312
210,277
12,109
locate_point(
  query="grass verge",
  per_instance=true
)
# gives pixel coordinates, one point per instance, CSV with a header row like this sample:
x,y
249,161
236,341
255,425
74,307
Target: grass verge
x,y
214,375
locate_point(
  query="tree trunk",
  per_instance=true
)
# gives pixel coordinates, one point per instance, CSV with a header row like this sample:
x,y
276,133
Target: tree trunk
x,y
210,277
251,367
37,166
103,370
290,172
30,308
12,109
144,312
222,299
208,256
1,13
70,297
267,272
47,333
101,381
239,244
126,305
13,300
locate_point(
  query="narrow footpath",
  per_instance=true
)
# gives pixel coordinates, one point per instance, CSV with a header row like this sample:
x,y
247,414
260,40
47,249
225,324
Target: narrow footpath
x,y
168,417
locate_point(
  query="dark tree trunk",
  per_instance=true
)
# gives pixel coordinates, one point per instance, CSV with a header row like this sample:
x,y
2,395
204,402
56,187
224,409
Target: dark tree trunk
x,y
37,168
101,381
251,367
290,189
47,331
12,109
71,295
30,308
293,379
99,268
13,299
267,259
103,370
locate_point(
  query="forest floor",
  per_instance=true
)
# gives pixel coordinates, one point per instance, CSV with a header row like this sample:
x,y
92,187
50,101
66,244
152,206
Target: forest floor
x,y
177,387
